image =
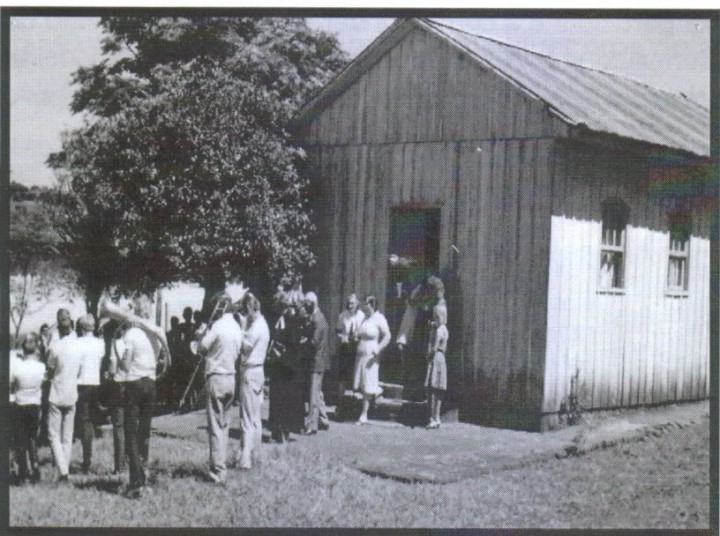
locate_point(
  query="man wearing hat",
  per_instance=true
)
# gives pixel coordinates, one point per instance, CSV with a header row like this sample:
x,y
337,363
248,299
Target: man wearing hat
x,y
92,351
318,363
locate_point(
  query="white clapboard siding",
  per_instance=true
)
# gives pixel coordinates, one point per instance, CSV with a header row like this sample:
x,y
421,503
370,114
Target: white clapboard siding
x,y
639,347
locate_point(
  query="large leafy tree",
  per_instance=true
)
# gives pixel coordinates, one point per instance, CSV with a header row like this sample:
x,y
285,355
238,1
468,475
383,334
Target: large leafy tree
x,y
184,169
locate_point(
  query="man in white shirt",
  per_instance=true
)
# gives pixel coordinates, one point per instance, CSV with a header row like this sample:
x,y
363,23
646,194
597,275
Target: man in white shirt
x,y
65,367
220,347
256,339
137,368
92,350
63,330
26,378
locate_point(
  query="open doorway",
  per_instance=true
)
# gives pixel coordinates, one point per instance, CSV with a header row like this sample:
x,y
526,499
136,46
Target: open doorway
x,y
413,256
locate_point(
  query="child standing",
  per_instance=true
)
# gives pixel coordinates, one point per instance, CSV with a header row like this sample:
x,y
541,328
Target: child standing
x,y
436,377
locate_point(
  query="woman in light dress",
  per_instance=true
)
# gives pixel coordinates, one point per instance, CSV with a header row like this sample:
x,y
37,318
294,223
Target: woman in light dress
x,y
436,377
373,337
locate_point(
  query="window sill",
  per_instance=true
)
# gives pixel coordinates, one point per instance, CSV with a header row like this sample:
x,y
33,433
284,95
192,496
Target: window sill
x,y
613,291
677,294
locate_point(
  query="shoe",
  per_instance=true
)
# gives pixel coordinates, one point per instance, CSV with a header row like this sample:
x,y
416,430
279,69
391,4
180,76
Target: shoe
x,y
323,426
35,477
362,421
309,432
433,425
242,464
85,469
216,478
63,479
133,493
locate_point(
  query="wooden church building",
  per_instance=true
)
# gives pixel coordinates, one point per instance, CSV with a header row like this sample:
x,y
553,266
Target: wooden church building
x,y
568,211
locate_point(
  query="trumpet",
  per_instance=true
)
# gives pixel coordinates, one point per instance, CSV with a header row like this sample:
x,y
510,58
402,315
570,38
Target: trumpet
x,y
221,307
126,319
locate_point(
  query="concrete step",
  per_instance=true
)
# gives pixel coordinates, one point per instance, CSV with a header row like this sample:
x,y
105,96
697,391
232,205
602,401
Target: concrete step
x,y
392,390
410,413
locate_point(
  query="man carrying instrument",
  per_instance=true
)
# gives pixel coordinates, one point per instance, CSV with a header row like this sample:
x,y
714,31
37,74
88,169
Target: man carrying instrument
x,y
220,346
137,369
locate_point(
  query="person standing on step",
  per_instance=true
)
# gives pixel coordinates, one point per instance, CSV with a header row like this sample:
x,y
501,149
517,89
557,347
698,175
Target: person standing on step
x,y
92,351
436,377
318,362
348,325
374,336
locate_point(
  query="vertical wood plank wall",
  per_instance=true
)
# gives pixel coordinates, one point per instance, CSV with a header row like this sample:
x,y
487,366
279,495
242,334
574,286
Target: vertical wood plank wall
x,y
640,347
423,125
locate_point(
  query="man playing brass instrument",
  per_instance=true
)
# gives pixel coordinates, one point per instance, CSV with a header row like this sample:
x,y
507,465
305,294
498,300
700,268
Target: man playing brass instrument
x,y
220,346
136,370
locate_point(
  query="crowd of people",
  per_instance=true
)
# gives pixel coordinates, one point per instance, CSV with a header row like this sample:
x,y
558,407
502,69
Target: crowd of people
x,y
56,381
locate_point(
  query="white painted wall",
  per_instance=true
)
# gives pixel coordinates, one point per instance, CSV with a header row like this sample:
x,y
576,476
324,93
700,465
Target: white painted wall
x,y
640,347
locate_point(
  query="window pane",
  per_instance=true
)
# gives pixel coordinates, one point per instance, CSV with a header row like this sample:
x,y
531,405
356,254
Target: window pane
x,y
611,276
677,273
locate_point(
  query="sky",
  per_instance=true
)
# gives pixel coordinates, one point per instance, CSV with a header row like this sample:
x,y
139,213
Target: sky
x,y
673,55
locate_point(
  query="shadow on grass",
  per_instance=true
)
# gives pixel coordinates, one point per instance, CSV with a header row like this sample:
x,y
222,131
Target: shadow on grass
x,y
191,472
101,484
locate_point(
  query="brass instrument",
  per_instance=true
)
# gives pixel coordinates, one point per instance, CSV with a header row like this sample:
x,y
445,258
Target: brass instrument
x,y
127,319
221,307
223,304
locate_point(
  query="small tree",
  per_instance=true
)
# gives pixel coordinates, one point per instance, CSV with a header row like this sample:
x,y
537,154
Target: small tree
x,y
37,272
184,169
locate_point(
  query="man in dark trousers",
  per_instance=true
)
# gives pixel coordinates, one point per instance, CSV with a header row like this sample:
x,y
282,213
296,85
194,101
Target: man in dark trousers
x,y
318,354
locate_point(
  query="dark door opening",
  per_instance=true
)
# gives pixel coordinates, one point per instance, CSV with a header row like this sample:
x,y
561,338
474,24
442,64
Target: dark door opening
x,y
414,248
414,255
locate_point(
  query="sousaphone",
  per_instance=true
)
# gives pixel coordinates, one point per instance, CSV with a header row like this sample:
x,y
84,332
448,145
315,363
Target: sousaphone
x,y
126,320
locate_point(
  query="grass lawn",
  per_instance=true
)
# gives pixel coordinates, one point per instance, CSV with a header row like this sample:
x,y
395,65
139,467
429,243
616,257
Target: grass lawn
x,y
660,482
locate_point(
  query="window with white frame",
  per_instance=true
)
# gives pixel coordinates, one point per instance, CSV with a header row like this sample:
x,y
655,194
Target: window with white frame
x,y
679,226
612,246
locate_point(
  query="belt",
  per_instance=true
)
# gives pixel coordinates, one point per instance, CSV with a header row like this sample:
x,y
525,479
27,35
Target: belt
x,y
219,374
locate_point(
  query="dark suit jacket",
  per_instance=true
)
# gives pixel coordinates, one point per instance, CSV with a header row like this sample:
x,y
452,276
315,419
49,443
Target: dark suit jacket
x,y
319,345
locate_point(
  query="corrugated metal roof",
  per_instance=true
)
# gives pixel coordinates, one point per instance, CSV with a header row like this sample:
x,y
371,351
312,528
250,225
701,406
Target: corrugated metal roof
x,y
601,101
578,95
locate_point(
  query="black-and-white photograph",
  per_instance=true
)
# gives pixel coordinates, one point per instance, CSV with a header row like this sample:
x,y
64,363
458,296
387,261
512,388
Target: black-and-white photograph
x,y
287,269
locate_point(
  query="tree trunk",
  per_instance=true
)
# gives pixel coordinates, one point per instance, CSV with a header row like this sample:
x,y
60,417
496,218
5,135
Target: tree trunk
x,y
212,284
92,300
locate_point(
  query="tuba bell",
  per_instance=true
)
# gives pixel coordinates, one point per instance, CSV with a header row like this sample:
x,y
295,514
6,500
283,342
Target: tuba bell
x,y
126,320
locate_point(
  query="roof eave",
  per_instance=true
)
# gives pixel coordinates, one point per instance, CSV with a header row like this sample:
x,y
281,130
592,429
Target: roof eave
x,y
353,70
